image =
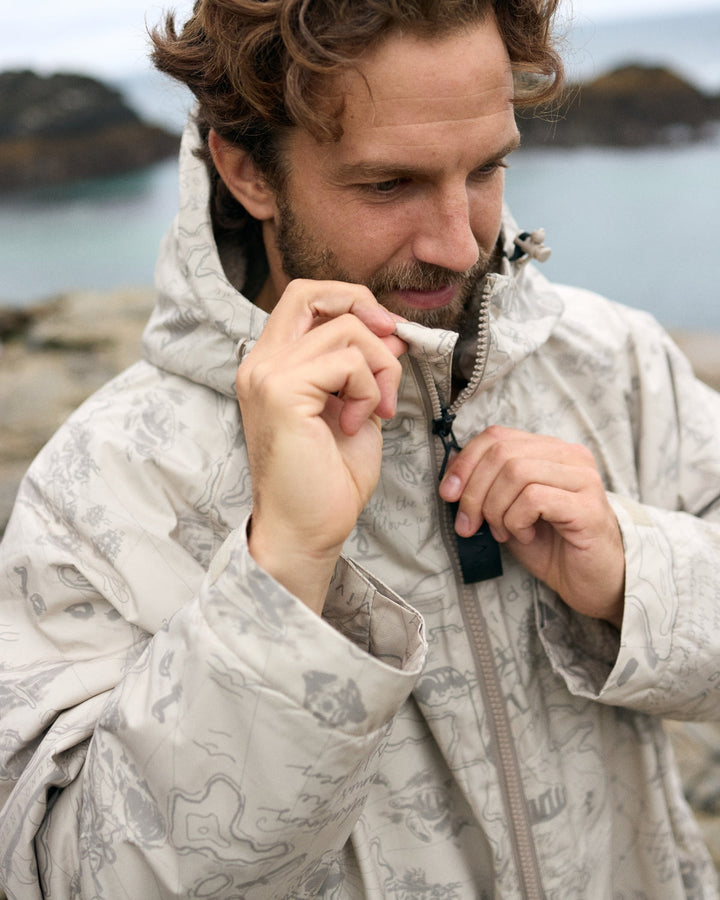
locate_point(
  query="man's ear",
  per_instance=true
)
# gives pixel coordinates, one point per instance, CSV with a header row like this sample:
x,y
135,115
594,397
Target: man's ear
x,y
242,178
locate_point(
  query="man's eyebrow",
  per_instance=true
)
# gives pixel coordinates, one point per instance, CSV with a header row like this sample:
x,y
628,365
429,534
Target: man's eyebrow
x,y
383,171
510,147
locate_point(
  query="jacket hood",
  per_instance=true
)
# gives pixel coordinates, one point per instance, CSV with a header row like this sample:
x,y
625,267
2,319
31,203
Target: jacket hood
x,y
200,320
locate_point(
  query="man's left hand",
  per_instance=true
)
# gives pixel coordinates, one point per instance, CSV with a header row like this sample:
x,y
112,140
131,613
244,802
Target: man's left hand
x,y
544,499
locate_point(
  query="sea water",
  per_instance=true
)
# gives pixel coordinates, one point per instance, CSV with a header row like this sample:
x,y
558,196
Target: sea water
x,y
641,226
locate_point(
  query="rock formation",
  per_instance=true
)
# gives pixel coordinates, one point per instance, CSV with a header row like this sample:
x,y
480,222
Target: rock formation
x,y
64,127
631,106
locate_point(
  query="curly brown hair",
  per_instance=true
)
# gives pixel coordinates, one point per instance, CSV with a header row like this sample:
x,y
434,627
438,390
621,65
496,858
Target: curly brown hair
x,y
256,66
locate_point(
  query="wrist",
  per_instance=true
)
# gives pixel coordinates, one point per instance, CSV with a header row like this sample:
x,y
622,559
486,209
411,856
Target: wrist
x,y
299,568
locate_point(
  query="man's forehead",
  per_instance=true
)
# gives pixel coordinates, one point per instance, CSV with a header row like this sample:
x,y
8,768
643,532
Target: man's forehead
x,y
400,110
409,80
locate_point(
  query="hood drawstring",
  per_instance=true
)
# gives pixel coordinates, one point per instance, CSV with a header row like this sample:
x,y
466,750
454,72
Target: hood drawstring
x,y
531,243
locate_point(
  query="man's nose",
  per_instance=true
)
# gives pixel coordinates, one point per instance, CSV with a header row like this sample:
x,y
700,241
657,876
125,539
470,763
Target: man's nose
x,y
444,235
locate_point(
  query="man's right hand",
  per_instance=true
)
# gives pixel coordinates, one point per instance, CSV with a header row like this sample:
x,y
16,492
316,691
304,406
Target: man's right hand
x,y
312,392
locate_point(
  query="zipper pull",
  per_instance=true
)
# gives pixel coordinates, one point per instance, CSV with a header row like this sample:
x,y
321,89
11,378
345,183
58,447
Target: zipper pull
x,y
442,427
479,554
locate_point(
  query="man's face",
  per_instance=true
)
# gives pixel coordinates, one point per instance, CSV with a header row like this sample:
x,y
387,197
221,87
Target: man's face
x,y
409,201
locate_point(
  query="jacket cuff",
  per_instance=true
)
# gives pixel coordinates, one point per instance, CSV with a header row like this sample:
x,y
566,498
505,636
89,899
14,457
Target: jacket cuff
x,y
352,668
650,609
590,654
581,650
662,661
667,664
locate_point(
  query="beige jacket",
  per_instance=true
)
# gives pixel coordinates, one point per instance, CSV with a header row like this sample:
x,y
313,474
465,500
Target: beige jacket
x,y
173,723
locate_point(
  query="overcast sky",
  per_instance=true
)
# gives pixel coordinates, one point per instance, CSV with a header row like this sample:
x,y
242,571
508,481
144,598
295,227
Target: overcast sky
x,y
108,37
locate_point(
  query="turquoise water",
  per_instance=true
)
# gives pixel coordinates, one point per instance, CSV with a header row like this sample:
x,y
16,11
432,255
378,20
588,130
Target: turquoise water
x,y
641,226
100,234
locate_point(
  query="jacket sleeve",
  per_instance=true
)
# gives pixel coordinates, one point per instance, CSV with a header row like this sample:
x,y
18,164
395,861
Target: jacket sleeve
x,y
234,752
665,660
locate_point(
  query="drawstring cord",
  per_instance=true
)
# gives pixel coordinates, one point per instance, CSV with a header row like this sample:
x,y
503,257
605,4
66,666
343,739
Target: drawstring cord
x,y
531,243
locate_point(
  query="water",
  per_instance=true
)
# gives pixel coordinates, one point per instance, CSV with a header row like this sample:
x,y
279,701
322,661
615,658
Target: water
x,y
637,225
99,234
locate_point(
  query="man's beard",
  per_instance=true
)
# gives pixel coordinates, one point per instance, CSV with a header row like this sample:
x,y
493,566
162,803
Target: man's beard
x,y
301,258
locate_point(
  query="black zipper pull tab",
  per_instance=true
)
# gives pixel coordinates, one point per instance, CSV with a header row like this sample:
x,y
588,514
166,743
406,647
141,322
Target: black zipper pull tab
x,y
479,554
442,427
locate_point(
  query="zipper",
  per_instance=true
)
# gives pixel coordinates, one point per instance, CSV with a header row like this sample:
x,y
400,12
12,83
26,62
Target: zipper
x,y
483,348
508,766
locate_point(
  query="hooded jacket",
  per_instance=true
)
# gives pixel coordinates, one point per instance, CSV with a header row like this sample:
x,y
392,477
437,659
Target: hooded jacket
x,y
174,723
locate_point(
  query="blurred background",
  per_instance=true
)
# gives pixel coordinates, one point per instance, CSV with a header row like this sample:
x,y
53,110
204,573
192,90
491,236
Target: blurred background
x,y
636,219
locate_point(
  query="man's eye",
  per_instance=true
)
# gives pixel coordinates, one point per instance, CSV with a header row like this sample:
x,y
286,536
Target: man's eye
x,y
491,168
386,187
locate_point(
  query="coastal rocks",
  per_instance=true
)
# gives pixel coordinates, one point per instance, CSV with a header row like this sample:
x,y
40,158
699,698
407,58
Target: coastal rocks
x,y
701,348
631,106
66,127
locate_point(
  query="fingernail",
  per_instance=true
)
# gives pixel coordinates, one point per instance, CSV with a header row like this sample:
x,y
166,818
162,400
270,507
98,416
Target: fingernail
x,y
462,524
451,487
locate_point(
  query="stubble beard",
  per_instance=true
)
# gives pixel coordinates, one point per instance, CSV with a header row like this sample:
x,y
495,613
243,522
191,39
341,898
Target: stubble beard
x,y
302,258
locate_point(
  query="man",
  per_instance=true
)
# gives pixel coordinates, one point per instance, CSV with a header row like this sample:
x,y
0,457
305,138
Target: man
x,y
258,643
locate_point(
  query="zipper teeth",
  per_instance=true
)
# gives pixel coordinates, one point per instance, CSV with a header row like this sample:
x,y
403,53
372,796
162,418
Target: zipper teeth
x,y
511,784
508,766
507,762
483,347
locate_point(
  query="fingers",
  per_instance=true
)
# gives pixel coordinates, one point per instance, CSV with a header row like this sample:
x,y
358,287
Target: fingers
x,y
557,496
545,499
326,338
511,479
305,304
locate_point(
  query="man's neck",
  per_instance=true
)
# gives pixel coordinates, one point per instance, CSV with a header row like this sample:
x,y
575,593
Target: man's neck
x,y
267,298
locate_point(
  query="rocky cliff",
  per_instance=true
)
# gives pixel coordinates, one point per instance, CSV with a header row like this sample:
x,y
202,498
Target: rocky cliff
x,y
65,127
631,106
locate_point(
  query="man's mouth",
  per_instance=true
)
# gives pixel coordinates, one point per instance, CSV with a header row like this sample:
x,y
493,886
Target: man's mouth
x,y
434,299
